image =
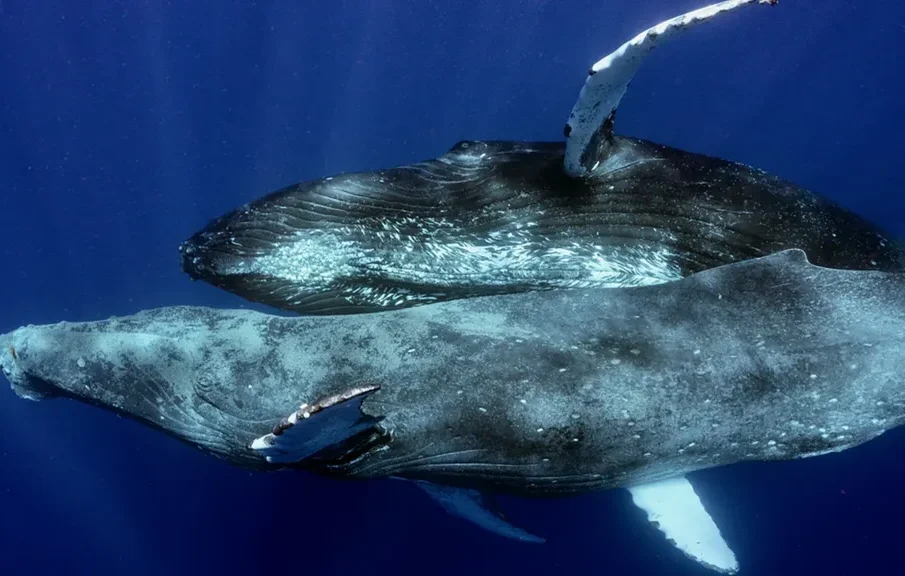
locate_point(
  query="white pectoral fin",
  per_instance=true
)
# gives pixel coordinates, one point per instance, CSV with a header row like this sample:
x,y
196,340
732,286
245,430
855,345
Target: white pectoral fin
x,y
590,125
315,427
470,505
673,507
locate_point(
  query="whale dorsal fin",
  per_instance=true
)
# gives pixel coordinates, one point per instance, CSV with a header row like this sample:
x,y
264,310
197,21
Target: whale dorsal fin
x,y
317,426
470,505
589,130
676,510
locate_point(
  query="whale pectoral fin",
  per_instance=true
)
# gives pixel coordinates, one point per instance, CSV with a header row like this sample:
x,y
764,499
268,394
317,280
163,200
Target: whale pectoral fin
x,y
674,508
470,505
589,129
315,427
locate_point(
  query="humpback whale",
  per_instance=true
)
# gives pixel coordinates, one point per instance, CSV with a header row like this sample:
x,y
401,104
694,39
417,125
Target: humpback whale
x,y
598,209
605,313
539,394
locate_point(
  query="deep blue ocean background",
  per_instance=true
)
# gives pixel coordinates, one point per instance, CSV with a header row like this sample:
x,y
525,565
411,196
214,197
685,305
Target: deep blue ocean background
x,y
126,126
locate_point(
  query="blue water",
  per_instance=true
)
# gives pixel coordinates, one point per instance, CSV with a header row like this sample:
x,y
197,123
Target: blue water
x,y
126,126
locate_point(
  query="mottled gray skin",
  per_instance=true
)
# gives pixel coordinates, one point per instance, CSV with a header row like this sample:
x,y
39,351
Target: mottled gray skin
x,y
543,393
503,217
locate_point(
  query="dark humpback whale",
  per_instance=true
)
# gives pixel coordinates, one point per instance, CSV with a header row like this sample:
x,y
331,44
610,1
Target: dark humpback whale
x,y
502,217
543,394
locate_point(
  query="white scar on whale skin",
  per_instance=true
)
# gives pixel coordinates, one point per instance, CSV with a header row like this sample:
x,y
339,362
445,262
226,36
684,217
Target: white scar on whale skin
x,y
609,78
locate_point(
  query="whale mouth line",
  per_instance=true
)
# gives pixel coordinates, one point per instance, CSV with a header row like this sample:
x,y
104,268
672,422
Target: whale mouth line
x,y
34,388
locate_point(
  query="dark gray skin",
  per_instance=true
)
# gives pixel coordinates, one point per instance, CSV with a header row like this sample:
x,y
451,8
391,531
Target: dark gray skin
x,y
541,394
503,217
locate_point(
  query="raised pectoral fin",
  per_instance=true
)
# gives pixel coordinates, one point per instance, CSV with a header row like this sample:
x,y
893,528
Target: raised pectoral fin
x,y
317,426
470,505
590,125
675,509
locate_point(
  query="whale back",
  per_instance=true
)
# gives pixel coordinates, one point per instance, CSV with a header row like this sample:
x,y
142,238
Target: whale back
x,y
558,392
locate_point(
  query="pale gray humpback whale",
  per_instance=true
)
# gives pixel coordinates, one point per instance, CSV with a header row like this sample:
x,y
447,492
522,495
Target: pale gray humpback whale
x,y
543,393
502,217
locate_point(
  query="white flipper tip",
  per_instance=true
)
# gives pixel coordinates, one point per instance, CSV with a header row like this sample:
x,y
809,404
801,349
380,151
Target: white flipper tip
x,y
591,120
675,509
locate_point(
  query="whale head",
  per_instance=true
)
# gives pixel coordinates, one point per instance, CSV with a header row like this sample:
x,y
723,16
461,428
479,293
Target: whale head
x,y
278,252
146,377
226,382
